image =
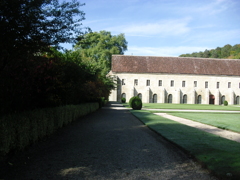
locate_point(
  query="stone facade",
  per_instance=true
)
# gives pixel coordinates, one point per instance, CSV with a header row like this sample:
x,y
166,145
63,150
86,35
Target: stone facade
x,y
176,79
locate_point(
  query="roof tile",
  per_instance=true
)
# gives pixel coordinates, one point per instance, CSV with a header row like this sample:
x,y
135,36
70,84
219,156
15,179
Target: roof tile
x,y
175,65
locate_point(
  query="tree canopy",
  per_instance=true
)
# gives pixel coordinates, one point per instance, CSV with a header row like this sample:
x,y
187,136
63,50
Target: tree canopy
x,y
226,52
31,26
98,48
34,73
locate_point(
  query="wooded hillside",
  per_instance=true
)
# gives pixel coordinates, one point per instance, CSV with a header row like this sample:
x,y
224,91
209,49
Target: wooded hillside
x,y
225,52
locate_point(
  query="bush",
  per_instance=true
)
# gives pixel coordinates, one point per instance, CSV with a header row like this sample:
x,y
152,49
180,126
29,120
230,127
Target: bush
x,y
101,102
225,103
123,100
130,101
136,103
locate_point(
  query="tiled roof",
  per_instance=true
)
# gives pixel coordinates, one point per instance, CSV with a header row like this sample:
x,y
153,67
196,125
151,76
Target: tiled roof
x,y
175,65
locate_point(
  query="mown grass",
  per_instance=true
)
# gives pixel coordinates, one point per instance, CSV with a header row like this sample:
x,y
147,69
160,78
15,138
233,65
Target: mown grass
x,y
188,106
221,156
228,121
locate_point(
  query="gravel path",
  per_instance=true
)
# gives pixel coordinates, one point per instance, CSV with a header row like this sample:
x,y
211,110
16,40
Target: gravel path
x,y
108,144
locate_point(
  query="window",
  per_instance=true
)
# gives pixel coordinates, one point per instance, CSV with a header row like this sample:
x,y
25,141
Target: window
x,y
229,84
218,85
135,82
160,83
183,83
195,83
148,82
123,81
123,95
172,83
206,84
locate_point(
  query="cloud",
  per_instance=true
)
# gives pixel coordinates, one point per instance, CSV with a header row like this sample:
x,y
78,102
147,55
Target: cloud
x,y
207,8
163,51
172,27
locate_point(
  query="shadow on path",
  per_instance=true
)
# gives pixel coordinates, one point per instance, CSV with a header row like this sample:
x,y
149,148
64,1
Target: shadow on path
x,y
107,144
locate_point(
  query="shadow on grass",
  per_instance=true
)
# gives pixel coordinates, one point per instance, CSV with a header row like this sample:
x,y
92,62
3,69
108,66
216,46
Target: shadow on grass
x,y
219,155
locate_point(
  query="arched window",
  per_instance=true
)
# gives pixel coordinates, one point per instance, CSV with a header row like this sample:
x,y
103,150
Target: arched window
x,y
170,98
155,98
237,100
140,96
123,95
184,99
199,99
222,99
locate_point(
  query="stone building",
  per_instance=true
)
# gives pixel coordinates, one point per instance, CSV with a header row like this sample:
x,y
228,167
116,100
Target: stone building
x,y
176,79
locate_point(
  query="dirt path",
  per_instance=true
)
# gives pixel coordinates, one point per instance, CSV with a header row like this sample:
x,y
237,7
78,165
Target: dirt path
x,y
108,144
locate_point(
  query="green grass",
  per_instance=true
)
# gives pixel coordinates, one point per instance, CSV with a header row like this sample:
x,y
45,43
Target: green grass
x,y
229,121
188,106
221,156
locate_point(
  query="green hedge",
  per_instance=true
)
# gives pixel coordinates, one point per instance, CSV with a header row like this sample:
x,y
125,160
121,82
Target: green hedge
x,y
19,130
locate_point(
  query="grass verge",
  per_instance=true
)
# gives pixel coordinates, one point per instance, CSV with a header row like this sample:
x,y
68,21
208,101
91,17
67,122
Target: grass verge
x,y
228,121
220,156
188,106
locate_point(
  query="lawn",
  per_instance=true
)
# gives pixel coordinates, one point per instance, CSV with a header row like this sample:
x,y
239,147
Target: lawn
x,y
221,156
228,121
188,106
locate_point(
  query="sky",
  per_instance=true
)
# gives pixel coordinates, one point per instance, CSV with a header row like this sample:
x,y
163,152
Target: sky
x,y
166,27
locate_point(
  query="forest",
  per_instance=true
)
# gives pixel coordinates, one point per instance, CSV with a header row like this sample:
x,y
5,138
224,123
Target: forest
x,y
225,52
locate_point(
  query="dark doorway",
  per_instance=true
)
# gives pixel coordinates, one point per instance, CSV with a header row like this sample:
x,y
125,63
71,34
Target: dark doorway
x,y
211,99
185,99
154,98
169,98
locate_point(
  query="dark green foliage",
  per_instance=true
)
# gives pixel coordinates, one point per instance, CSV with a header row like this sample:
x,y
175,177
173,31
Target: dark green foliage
x,y
225,103
136,103
42,82
28,29
130,101
33,73
21,129
123,100
101,102
31,26
226,52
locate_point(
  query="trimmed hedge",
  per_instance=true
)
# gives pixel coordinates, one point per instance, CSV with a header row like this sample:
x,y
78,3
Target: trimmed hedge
x,y
137,103
225,103
19,130
123,100
130,101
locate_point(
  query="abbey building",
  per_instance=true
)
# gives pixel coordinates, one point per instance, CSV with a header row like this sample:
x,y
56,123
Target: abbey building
x,y
176,79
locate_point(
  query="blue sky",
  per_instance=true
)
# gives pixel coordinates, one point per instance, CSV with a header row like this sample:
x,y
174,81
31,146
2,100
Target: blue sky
x,y
166,27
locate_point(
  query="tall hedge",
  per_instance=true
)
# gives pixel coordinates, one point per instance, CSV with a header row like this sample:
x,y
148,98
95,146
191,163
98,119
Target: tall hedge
x,y
19,130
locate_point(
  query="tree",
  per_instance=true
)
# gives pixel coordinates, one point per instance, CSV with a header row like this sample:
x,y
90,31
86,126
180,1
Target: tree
x,y
206,54
29,28
216,53
225,51
32,26
98,48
